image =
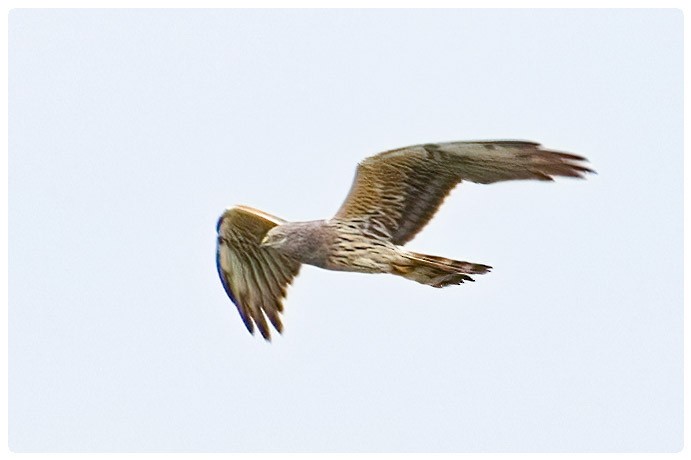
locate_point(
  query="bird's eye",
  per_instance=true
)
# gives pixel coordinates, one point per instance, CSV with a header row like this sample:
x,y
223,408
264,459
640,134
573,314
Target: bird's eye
x,y
273,239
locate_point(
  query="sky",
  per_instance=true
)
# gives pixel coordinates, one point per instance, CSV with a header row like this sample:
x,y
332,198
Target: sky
x,y
130,131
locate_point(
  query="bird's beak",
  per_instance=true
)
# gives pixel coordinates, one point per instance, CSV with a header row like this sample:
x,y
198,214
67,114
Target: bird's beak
x,y
264,240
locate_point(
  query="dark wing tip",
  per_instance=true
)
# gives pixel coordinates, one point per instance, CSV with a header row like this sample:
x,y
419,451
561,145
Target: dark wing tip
x,y
481,268
246,320
264,329
569,156
550,163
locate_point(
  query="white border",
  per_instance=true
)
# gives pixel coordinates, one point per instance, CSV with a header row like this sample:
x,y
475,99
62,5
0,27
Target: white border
x,y
311,4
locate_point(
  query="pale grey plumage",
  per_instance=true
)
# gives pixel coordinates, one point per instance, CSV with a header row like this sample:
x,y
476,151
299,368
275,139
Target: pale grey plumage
x,y
393,196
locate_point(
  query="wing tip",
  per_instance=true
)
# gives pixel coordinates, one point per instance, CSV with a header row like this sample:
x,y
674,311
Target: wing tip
x,y
552,163
248,322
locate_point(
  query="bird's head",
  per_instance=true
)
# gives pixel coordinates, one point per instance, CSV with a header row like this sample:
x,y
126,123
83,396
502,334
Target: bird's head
x,y
300,240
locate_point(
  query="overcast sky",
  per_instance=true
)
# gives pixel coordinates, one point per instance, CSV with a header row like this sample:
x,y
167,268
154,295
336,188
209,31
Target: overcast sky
x,y
131,131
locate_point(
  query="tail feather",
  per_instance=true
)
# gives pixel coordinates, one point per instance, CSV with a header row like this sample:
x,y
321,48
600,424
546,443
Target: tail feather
x,y
437,271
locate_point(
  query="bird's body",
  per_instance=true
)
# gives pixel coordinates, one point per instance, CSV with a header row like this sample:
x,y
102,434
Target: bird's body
x,y
335,245
394,195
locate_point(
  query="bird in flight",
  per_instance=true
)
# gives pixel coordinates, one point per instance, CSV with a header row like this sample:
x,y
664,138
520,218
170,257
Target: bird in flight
x,y
393,196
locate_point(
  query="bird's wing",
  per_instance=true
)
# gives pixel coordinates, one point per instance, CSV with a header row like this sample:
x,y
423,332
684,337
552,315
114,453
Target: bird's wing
x,y
254,277
396,193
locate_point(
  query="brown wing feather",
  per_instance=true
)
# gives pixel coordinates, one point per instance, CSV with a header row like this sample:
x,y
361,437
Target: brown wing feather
x,y
254,277
396,193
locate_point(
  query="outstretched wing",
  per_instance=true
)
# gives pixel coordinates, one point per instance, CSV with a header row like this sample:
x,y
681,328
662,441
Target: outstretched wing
x,y
396,193
254,277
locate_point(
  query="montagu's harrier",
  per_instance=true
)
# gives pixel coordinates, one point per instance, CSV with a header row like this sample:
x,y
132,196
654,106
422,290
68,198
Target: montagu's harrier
x,y
394,195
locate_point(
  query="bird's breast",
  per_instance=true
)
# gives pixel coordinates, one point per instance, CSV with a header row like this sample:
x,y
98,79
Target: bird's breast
x,y
355,252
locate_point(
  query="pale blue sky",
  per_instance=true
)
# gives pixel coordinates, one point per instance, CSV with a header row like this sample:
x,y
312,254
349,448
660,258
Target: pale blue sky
x,y
131,131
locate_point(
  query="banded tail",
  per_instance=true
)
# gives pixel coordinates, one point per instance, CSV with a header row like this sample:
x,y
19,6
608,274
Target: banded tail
x,y
437,271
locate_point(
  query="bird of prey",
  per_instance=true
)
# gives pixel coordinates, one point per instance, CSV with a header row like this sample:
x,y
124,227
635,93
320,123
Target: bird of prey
x,y
394,194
